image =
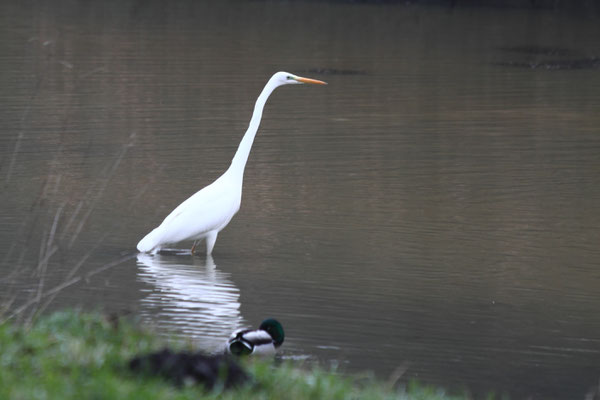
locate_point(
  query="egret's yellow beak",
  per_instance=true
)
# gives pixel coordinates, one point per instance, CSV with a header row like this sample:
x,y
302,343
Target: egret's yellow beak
x,y
308,80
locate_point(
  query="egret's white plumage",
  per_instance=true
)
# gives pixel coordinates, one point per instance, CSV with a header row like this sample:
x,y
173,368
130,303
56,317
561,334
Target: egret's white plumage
x,y
208,211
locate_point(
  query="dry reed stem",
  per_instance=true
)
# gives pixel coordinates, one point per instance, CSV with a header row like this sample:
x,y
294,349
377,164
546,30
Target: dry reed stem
x,y
49,246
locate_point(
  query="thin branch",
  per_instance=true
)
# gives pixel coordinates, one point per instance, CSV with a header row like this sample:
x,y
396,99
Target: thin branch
x,y
111,172
21,133
66,284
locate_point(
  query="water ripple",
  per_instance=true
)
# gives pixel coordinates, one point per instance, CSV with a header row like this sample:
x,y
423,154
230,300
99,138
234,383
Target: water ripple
x,y
190,296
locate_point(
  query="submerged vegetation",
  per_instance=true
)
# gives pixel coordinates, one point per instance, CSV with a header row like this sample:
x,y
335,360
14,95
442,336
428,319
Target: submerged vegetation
x,y
73,355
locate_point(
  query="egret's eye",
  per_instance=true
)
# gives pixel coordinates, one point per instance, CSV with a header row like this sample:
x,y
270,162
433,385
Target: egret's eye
x,y
289,77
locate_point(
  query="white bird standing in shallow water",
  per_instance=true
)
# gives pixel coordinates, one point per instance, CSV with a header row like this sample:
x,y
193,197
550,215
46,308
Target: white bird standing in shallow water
x,y
209,210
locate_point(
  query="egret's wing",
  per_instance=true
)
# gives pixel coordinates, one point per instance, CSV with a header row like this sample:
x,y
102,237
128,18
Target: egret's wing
x,y
205,211
207,194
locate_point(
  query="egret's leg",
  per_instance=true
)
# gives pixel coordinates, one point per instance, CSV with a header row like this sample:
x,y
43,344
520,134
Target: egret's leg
x,y
211,238
194,246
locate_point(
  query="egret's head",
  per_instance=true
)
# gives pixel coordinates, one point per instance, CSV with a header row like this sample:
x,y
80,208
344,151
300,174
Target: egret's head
x,y
273,328
285,78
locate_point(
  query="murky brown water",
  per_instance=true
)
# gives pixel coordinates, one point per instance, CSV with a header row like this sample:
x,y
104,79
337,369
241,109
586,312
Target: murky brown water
x,y
435,207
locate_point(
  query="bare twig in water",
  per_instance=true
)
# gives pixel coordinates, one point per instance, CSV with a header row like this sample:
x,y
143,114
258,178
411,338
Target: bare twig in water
x,y
53,236
4,307
73,217
593,393
66,284
49,223
397,374
49,247
46,252
27,228
109,176
21,133
71,274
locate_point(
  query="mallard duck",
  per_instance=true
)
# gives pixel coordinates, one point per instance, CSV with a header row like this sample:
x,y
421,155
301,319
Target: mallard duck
x,y
264,340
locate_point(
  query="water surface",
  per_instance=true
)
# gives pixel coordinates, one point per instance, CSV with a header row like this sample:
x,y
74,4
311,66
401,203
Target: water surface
x,y
434,208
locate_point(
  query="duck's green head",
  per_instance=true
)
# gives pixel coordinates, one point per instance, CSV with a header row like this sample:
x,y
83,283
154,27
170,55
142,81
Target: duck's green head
x,y
273,328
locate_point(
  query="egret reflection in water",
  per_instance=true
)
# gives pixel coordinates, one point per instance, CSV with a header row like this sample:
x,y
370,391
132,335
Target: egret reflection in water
x,y
190,296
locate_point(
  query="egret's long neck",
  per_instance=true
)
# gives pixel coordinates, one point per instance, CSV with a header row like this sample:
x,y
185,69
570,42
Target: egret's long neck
x,y
241,156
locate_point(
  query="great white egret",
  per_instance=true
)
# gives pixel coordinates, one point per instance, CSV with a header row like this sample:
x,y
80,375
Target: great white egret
x,y
208,211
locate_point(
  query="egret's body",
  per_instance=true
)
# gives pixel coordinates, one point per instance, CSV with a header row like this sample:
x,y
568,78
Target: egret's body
x,y
208,211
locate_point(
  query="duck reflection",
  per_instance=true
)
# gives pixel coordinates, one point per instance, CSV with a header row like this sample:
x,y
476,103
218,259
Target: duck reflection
x,y
190,297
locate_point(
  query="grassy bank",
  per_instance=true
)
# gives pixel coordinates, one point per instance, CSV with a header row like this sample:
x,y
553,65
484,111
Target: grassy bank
x,y
71,355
